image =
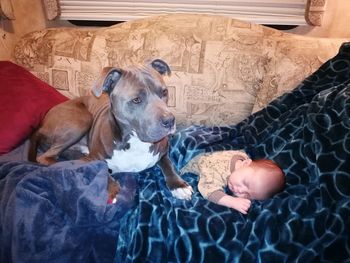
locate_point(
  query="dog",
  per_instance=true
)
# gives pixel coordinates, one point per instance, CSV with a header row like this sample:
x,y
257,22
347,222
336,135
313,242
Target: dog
x,y
125,121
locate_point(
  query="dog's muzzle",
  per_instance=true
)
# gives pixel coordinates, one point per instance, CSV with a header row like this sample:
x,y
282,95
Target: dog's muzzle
x,y
168,121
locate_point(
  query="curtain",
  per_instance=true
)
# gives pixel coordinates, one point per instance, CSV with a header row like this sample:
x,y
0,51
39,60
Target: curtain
x,y
282,12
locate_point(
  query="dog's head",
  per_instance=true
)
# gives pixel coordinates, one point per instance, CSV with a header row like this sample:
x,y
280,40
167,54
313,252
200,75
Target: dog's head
x,y
138,97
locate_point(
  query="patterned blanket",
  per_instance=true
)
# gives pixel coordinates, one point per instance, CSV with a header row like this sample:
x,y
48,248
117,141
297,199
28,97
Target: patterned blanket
x,y
307,132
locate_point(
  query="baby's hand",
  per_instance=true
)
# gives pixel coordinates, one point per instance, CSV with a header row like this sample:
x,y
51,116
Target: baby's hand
x,y
241,204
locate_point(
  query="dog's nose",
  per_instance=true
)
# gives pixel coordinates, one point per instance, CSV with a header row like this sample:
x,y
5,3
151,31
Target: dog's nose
x,y
168,121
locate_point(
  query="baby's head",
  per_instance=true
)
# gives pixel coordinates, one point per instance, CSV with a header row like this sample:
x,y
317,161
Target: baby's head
x,y
258,179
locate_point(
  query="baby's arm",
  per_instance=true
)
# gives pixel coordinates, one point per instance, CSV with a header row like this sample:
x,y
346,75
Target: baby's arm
x,y
240,204
221,198
213,170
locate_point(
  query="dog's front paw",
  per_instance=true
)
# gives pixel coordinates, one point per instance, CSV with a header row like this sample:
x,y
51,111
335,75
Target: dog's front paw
x,y
179,188
183,192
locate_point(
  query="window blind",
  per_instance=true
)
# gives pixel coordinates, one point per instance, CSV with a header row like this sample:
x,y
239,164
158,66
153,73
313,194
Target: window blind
x,y
291,12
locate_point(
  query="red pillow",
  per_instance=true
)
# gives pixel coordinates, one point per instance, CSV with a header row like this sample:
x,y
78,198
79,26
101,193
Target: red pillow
x,y
24,101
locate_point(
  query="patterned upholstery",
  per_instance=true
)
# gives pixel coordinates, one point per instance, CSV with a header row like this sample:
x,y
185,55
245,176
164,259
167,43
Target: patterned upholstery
x,y
223,69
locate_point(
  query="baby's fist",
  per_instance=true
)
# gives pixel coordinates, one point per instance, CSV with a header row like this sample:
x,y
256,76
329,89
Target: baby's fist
x,y
242,205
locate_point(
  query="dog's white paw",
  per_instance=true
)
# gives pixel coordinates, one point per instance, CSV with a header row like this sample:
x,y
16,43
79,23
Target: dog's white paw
x,y
183,192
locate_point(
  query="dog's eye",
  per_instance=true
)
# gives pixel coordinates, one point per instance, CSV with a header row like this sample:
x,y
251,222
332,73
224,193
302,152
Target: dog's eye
x,y
136,100
165,93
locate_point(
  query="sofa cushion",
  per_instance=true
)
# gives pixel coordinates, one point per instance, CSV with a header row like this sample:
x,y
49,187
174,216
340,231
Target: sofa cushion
x,y
24,101
293,59
222,68
209,83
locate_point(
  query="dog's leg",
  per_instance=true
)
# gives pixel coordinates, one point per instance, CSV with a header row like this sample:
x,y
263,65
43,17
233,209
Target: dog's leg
x,y
60,139
113,189
63,126
50,156
178,187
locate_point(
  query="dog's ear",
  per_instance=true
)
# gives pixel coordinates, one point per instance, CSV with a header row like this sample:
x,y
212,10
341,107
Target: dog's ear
x,y
161,66
107,80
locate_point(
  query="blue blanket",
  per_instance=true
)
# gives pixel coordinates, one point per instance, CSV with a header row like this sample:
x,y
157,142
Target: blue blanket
x,y
60,213
307,132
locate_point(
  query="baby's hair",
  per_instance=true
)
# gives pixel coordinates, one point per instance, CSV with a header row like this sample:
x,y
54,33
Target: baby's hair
x,y
272,170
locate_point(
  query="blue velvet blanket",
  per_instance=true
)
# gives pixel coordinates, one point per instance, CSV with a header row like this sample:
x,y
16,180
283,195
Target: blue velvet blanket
x,y
60,213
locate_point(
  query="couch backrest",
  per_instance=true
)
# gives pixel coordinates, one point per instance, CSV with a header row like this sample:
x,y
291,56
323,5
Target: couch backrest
x,y
223,69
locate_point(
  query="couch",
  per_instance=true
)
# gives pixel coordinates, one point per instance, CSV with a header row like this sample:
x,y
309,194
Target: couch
x,y
218,62
234,85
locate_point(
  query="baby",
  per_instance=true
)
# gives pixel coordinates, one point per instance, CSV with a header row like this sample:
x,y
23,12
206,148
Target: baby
x,y
247,179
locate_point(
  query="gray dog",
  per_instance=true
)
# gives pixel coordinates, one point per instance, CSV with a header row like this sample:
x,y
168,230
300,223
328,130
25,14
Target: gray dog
x,y
126,122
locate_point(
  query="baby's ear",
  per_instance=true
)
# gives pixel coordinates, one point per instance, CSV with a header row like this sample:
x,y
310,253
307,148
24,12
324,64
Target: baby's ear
x,y
239,164
246,162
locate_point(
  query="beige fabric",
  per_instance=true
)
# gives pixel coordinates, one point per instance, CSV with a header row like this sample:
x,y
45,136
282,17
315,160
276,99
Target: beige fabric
x,y
223,68
213,170
52,9
294,60
6,9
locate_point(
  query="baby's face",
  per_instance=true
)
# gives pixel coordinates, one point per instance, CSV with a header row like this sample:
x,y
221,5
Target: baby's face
x,y
247,182
240,182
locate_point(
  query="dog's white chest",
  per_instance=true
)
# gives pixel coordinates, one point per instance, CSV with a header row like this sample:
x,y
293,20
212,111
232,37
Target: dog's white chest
x,y
135,159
